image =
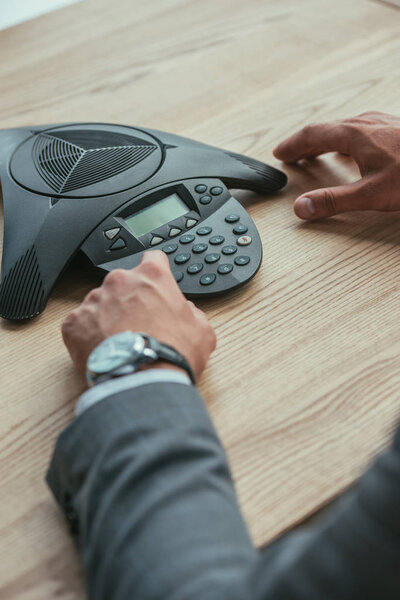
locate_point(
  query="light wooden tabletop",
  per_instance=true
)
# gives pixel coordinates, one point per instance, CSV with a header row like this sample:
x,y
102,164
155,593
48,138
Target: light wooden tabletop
x,y
304,384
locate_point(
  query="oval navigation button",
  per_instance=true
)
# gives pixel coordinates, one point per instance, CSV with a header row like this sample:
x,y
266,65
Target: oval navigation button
x,y
170,248
244,240
224,269
178,276
207,279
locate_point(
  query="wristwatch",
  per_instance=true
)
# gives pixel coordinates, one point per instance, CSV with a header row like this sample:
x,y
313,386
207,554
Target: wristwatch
x,y
125,353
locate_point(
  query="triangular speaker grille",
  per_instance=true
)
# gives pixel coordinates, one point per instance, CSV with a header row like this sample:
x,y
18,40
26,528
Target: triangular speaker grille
x,y
76,159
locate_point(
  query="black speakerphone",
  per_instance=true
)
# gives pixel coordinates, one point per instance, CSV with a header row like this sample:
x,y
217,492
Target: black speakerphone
x,y
114,192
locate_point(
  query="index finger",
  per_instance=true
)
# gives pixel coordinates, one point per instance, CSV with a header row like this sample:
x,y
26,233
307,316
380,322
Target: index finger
x,y
313,140
155,256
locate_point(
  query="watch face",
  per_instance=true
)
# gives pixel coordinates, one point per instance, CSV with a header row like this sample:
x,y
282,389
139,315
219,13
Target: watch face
x,y
115,352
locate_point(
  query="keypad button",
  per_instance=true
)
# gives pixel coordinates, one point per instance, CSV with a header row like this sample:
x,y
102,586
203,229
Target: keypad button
x,y
194,268
217,239
207,279
156,239
178,276
170,248
198,248
232,218
205,200
241,261
240,228
224,269
182,258
216,190
201,188
229,250
111,233
174,231
187,238
245,240
190,222
212,258
204,230
118,245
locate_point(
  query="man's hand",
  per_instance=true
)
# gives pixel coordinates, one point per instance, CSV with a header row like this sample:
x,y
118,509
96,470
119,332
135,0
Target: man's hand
x,y
146,299
373,141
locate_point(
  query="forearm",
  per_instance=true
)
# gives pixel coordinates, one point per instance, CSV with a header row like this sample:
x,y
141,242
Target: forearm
x,y
157,511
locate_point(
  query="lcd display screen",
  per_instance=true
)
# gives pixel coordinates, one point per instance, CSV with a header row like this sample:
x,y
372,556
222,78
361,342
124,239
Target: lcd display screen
x,y
157,214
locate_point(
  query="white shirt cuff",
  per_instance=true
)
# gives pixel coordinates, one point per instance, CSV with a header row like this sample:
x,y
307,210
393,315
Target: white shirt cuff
x,y
128,382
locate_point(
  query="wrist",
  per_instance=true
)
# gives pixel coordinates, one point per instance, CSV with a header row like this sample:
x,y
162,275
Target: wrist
x,y
161,364
127,352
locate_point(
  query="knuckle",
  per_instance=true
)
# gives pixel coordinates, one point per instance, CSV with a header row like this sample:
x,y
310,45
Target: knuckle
x,y
158,255
70,321
308,131
153,269
93,295
349,127
145,283
366,113
213,337
116,277
330,202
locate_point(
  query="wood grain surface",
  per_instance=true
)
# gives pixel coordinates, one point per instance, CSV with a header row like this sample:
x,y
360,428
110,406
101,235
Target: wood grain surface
x,y
303,387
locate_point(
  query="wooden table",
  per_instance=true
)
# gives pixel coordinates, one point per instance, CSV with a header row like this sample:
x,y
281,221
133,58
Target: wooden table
x,y
304,384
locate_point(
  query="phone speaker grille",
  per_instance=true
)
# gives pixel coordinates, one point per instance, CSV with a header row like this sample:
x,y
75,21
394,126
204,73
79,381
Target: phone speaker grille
x,y
272,176
22,292
72,160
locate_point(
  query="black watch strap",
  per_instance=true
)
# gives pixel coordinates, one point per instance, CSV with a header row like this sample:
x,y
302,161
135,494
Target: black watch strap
x,y
169,354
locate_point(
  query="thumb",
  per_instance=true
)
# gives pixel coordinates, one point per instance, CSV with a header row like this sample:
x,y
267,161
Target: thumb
x,y
332,201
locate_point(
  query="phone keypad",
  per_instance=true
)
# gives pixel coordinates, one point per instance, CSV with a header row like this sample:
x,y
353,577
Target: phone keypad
x,y
192,249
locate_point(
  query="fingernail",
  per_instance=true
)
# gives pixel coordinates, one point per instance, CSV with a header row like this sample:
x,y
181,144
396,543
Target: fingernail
x,y
305,208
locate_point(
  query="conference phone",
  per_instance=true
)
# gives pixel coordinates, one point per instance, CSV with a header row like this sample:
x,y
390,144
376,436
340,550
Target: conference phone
x,y
114,192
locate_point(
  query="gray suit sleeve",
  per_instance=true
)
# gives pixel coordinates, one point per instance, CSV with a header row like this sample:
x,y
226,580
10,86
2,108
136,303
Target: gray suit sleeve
x,y
145,485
